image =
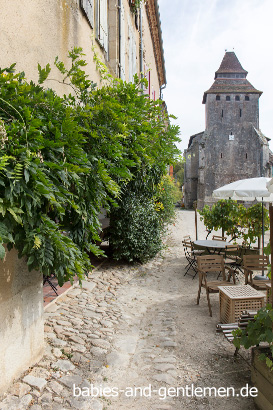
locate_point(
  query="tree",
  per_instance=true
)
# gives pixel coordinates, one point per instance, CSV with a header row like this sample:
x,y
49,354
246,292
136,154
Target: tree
x,y
235,220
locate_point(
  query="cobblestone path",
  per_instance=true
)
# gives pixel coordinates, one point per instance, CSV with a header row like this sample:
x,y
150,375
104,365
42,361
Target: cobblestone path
x,y
127,336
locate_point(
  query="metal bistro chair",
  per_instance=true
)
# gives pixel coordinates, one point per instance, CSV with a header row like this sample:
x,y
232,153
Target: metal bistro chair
x,y
190,257
212,264
46,279
255,263
219,238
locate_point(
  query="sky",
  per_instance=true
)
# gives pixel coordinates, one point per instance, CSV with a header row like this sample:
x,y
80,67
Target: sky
x,y
196,34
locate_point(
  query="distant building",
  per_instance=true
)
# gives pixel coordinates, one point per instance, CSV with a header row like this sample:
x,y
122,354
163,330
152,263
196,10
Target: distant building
x,y
232,146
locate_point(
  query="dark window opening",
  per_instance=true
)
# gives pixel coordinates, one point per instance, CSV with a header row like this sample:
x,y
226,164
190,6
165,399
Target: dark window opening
x,y
222,113
237,98
247,98
222,75
227,98
240,112
246,155
217,97
221,155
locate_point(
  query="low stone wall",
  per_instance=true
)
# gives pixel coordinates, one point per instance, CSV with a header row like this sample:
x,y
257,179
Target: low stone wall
x,y
21,318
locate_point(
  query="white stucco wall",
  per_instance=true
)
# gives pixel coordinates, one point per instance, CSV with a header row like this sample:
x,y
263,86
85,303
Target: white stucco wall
x,y
148,55
36,31
21,318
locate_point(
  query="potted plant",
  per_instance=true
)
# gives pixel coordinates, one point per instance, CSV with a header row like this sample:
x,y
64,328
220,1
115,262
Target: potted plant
x,y
258,335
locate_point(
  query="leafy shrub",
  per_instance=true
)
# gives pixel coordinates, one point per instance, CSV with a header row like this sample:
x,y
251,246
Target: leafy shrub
x,y
256,332
135,230
166,195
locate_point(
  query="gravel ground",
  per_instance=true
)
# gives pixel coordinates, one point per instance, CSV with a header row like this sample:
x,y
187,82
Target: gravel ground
x,y
136,336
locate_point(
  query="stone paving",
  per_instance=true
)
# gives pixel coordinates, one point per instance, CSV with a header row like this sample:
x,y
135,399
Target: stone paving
x,y
130,333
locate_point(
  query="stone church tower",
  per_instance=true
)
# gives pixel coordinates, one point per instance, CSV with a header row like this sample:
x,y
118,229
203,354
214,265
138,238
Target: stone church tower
x,y
232,146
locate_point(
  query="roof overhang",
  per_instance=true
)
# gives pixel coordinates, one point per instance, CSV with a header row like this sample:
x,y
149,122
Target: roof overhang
x,y
152,10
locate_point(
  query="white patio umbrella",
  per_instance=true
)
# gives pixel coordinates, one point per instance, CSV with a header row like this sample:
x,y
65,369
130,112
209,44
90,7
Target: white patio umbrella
x,y
249,189
246,190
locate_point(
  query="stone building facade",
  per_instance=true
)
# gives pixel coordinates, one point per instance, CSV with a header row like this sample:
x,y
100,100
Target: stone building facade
x,y
232,146
128,40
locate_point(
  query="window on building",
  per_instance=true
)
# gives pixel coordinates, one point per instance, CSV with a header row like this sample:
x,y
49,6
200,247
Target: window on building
x,y
247,98
221,155
227,98
132,53
147,75
122,61
237,98
217,97
102,23
246,155
88,8
222,113
240,112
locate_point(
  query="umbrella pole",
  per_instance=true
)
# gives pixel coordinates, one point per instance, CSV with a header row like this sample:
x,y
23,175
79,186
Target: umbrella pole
x,y
271,246
195,213
263,225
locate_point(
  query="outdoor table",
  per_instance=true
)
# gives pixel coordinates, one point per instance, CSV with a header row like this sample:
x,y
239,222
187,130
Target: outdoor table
x,y
210,245
235,299
268,292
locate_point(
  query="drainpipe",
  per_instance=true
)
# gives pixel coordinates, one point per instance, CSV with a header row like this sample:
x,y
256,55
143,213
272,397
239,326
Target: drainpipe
x,y
119,37
141,45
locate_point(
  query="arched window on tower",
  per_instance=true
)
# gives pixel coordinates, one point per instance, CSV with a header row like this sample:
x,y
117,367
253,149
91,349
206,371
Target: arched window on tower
x,y
227,98
217,97
237,98
247,98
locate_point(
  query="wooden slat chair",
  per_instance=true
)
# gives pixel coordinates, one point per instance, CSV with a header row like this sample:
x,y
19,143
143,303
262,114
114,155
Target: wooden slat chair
x,y
232,257
212,264
219,238
253,264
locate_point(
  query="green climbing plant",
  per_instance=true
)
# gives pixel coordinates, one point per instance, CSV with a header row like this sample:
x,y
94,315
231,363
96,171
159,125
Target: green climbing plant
x,y
63,158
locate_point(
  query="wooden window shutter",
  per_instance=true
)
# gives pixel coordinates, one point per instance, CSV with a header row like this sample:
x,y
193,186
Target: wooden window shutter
x,y
88,8
122,43
102,23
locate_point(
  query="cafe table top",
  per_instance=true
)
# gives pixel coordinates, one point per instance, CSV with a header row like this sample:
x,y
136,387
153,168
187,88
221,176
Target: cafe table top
x,y
207,243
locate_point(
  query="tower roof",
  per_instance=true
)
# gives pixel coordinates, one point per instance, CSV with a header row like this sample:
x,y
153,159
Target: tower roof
x,y
230,64
230,78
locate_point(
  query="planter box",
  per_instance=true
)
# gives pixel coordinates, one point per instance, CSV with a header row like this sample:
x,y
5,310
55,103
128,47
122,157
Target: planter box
x,y
262,378
21,318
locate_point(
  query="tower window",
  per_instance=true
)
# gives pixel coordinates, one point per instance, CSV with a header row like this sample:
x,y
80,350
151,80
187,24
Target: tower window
x,y
222,113
240,112
217,97
221,155
237,98
246,155
247,98
227,98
